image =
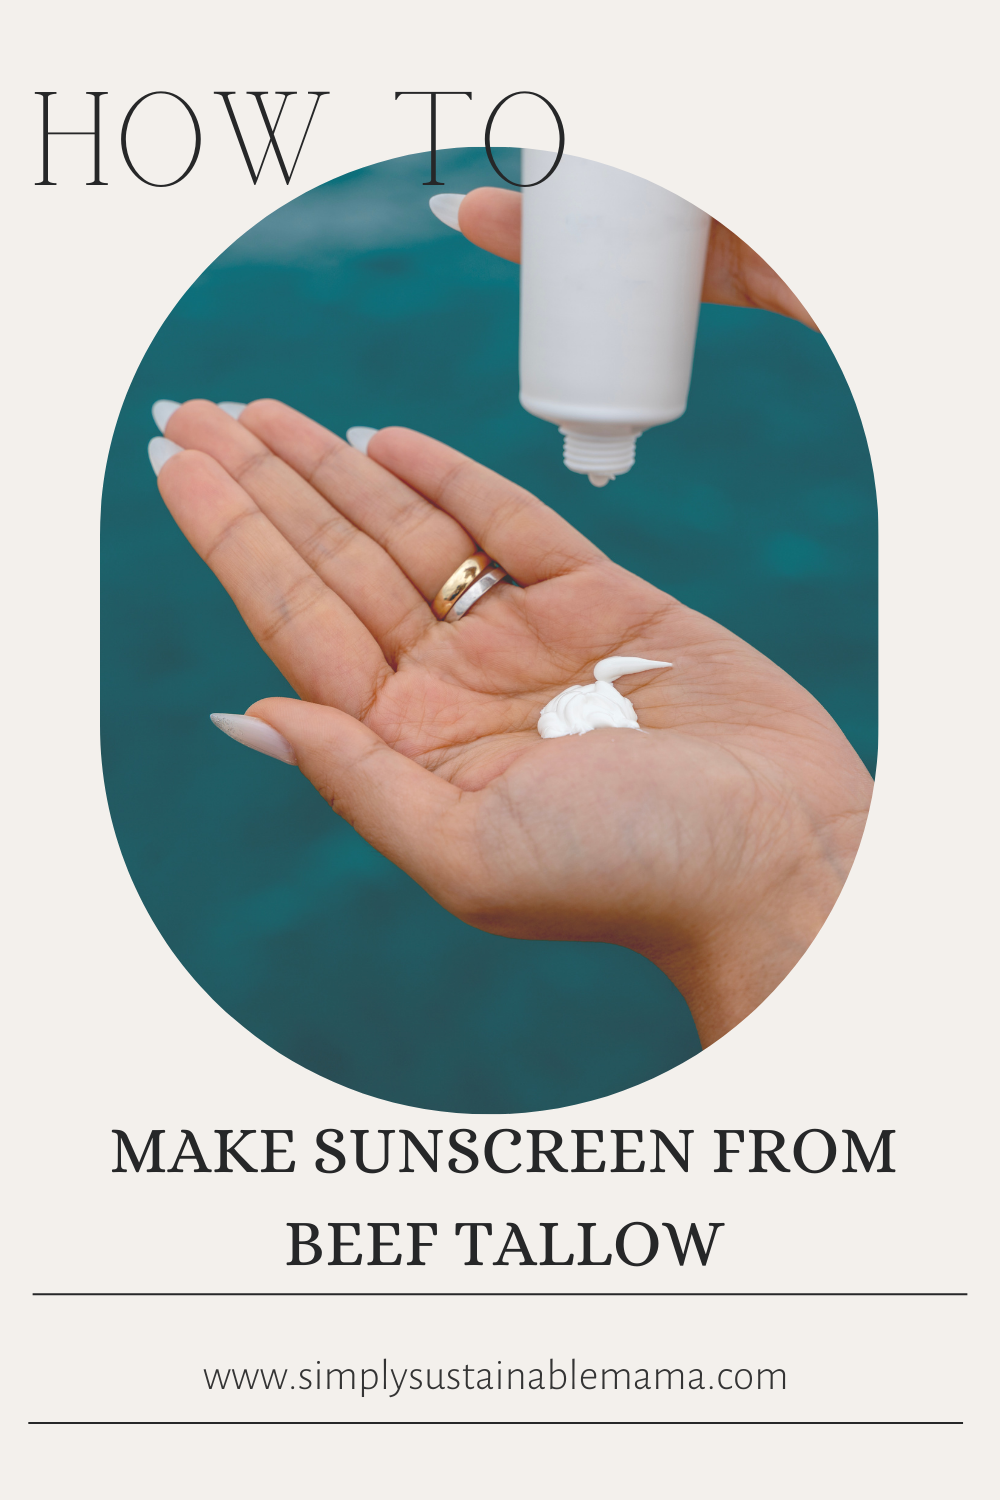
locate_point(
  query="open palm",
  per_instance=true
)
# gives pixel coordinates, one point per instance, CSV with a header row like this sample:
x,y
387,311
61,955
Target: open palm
x,y
715,842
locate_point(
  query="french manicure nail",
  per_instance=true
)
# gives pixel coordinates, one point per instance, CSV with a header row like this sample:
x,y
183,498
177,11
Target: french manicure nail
x,y
360,437
160,449
444,206
255,734
232,408
163,411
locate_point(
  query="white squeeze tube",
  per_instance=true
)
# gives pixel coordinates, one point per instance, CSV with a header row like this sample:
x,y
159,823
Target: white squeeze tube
x,y
611,274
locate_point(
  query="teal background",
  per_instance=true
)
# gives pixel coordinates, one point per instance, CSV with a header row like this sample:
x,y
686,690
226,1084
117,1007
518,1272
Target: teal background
x,y
355,305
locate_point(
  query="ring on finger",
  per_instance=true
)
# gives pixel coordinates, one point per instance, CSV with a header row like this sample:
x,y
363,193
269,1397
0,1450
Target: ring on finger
x,y
454,586
475,592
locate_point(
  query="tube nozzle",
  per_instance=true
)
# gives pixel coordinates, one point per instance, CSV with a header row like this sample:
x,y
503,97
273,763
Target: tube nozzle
x,y
599,455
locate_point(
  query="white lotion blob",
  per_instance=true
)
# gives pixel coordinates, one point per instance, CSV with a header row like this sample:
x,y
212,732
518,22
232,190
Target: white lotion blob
x,y
595,705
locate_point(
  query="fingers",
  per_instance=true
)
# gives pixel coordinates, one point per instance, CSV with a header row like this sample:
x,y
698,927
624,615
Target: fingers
x,y
345,558
415,818
491,219
426,543
530,540
736,276
307,630
467,506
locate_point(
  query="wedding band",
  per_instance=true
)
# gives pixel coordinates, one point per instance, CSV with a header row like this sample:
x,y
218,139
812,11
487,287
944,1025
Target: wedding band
x,y
475,592
448,594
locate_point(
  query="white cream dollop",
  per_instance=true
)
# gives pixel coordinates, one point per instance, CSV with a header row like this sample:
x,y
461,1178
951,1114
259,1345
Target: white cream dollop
x,y
595,705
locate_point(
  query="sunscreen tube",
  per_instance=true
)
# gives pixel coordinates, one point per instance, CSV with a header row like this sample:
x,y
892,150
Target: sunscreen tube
x,y
611,275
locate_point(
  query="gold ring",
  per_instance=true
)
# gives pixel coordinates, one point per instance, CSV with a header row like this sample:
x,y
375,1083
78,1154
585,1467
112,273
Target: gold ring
x,y
450,592
475,592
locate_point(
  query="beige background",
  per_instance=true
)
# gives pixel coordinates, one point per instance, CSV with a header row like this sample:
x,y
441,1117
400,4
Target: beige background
x,y
845,143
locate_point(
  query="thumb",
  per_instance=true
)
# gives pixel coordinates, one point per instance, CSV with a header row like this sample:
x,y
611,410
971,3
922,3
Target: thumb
x,y
491,219
413,817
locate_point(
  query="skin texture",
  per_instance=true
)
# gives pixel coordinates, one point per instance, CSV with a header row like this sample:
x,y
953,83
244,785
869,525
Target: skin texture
x,y
715,843
734,274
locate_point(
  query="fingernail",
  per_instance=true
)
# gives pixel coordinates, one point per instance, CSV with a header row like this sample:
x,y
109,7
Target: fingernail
x,y
163,411
360,437
160,449
444,206
255,734
232,408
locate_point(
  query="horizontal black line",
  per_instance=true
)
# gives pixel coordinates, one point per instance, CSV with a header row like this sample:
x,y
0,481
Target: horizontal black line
x,y
499,1294
511,1422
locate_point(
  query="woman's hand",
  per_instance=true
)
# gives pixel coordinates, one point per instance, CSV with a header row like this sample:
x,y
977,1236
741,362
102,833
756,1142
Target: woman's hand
x,y
734,274
715,843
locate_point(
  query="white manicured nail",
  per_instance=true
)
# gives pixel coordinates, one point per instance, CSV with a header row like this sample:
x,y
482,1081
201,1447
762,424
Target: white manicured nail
x,y
444,206
255,734
163,411
160,449
360,437
232,408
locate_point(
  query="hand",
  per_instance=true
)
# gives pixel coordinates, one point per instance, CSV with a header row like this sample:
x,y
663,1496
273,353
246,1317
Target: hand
x,y
715,843
734,274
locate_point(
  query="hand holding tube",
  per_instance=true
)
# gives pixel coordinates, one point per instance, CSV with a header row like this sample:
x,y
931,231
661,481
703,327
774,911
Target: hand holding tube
x,y
735,275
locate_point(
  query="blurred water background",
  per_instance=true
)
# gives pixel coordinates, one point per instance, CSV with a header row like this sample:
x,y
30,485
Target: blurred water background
x,y
757,507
